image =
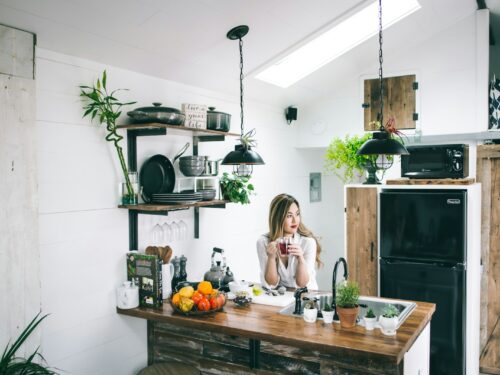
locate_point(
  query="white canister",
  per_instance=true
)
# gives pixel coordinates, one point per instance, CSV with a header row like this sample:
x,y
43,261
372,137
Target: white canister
x,y
127,296
167,274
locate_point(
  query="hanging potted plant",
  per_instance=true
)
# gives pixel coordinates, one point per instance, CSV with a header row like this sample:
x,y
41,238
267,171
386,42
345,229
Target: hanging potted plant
x,y
346,302
101,104
235,188
389,320
342,159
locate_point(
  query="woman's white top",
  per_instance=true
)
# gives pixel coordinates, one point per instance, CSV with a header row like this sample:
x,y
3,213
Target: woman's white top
x,y
287,273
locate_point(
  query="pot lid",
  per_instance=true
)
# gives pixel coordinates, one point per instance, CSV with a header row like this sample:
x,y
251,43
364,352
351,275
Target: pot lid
x,y
157,108
212,110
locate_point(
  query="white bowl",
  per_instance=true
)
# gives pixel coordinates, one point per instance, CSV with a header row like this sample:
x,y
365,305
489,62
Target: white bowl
x,y
240,286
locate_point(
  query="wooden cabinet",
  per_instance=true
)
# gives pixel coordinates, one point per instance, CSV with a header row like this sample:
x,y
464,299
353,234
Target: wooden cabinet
x,y
153,129
361,237
399,101
488,174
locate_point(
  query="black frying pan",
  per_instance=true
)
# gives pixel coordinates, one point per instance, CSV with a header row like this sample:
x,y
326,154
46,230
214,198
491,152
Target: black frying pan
x,y
157,175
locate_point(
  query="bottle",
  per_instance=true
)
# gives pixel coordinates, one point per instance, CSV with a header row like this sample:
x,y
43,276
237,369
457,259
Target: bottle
x,y
177,273
183,273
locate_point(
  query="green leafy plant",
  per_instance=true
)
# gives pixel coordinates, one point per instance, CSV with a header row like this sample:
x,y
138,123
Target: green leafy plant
x,y
236,188
347,294
341,157
390,311
103,105
370,313
327,307
10,364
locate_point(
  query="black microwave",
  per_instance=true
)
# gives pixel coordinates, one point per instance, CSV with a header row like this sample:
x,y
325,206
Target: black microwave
x,y
436,161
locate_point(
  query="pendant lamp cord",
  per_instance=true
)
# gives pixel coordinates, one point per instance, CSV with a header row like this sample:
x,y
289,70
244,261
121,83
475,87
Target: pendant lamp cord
x,y
241,84
380,72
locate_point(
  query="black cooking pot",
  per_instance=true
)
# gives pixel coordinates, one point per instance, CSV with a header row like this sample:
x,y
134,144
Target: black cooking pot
x,y
157,113
218,120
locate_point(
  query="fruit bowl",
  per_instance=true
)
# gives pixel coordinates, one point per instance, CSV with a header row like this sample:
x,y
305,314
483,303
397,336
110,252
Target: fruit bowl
x,y
194,312
203,301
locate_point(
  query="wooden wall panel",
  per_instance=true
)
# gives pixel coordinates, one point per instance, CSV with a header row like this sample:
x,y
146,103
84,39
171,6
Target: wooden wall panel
x,y
488,173
362,248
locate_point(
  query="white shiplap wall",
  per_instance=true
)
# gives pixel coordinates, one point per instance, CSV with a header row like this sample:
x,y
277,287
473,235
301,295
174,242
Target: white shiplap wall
x,y
83,236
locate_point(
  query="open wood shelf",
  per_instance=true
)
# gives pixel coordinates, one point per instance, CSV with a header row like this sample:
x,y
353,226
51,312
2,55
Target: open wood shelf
x,y
433,181
155,125
149,207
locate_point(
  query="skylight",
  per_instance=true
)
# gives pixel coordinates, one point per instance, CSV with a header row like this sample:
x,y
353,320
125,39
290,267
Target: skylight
x,y
336,41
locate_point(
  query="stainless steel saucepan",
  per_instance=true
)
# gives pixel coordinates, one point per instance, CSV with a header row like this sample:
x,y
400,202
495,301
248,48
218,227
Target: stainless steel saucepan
x,y
211,167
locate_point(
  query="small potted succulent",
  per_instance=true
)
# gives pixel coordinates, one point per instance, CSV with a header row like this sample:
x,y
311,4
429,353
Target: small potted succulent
x,y
310,311
370,320
389,320
346,302
327,313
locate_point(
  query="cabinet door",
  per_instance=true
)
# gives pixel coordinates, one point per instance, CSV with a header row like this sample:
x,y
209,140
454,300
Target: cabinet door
x,y
362,251
399,101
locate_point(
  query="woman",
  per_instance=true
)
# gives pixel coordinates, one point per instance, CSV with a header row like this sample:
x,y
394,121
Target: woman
x,y
297,268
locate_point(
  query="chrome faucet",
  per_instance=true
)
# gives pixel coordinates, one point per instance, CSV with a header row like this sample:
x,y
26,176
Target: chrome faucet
x,y
334,283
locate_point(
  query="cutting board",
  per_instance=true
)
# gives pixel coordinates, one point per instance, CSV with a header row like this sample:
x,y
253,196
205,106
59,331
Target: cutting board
x,y
280,300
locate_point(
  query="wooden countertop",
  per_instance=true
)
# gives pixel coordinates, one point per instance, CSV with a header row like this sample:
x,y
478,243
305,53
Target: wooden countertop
x,y
262,322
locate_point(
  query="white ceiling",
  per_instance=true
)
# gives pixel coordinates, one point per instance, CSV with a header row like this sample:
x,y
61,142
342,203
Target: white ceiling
x,y
185,40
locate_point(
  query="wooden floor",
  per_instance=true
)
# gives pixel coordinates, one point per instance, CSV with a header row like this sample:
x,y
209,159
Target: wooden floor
x,y
490,358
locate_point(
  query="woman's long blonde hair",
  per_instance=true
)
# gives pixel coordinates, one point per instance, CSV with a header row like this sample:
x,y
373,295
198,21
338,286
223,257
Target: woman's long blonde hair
x,y
277,215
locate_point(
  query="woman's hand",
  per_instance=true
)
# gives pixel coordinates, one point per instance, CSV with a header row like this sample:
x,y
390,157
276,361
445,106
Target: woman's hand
x,y
272,249
296,251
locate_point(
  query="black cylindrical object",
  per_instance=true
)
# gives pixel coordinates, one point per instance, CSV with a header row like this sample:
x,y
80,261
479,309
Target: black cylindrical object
x,y
218,120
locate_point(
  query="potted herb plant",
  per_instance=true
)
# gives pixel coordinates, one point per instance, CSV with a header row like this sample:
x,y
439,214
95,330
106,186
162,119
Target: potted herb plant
x,y
327,313
103,105
12,364
342,160
346,302
389,320
236,188
310,312
370,320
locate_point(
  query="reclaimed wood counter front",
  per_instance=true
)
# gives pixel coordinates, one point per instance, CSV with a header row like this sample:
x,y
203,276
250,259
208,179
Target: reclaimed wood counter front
x,y
258,340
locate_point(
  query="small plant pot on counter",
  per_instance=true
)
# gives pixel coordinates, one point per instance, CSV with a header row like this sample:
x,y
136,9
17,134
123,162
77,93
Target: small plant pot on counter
x,y
389,320
388,325
370,323
327,316
347,316
310,315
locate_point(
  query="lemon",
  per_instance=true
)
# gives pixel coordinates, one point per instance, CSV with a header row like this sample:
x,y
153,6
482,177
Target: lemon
x,y
257,291
186,292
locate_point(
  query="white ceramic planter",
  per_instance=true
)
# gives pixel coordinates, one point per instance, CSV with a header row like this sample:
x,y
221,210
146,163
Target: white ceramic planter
x,y
327,316
370,323
388,325
310,315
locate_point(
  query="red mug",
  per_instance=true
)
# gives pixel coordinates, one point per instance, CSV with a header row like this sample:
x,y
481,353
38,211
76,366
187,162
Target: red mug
x,y
283,243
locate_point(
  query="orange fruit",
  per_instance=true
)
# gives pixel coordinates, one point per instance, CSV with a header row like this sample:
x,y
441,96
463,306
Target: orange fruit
x,y
205,287
176,298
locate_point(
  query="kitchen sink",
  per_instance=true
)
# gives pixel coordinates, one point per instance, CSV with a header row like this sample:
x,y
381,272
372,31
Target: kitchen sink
x,y
375,303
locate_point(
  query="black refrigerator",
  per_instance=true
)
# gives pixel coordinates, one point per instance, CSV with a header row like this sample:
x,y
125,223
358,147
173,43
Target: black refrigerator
x,y
423,258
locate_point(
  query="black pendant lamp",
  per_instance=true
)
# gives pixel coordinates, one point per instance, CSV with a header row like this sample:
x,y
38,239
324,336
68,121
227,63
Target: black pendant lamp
x,y
243,158
382,142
